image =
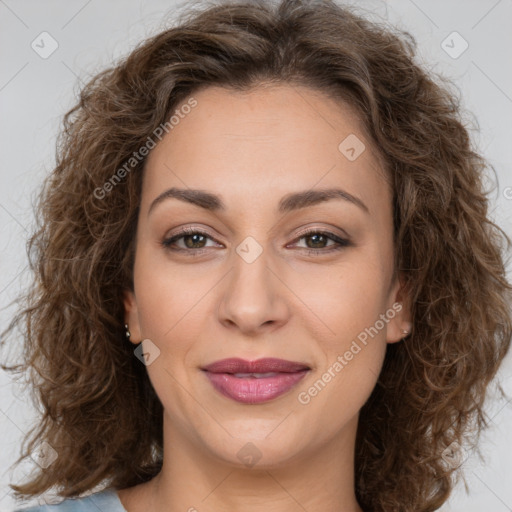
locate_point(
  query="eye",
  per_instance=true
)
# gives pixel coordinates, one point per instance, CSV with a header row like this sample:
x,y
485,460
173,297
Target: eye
x,y
194,241
320,238
193,238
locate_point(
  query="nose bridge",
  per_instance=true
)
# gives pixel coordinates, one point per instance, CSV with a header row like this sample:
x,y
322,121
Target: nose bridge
x,y
251,278
252,295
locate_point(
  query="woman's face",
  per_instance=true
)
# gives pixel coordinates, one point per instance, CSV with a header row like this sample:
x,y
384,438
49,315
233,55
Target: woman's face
x,y
247,282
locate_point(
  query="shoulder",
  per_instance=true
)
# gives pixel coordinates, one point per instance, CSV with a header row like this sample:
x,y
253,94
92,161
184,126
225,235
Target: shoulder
x,y
104,500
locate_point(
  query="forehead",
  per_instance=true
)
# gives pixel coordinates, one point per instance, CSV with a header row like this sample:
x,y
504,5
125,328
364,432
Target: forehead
x,y
269,140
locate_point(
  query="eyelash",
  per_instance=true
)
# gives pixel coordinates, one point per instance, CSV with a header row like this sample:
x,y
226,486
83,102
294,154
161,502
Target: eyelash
x,y
342,242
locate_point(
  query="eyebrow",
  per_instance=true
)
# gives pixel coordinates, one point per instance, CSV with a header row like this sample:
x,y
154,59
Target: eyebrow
x,y
290,202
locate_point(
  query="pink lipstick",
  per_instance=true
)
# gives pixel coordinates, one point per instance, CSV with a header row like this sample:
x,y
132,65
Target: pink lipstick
x,y
254,382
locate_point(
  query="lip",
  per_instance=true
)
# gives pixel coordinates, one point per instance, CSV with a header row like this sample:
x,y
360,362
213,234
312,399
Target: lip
x,y
250,389
267,364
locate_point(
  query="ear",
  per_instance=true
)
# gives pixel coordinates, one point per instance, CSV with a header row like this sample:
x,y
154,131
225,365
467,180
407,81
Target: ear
x,y
131,316
400,304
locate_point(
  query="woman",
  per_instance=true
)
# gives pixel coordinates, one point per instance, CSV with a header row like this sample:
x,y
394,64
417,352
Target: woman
x,y
266,278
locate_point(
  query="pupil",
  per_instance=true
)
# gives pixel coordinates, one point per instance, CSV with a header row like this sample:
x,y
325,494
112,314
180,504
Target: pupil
x,y
317,236
193,242
316,239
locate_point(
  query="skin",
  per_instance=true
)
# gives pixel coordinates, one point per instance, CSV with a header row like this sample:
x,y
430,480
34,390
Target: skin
x,y
252,149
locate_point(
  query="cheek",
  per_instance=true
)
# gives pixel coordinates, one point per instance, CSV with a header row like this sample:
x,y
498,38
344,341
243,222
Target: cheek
x,y
351,363
348,301
355,353
168,296
170,312
342,301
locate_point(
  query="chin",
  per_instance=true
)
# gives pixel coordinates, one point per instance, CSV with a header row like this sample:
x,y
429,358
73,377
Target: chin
x,y
259,454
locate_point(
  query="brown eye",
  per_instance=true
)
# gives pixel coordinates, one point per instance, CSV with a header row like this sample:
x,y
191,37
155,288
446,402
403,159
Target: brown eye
x,y
319,239
193,240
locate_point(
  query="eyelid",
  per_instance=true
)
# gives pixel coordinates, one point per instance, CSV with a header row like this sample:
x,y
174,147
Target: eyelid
x,y
192,230
322,229
339,241
303,232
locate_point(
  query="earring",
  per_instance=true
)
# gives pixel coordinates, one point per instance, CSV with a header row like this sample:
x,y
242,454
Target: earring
x,y
127,331
405,332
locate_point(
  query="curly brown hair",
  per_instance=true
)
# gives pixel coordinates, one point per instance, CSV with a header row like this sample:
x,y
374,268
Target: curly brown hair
x,y
99,410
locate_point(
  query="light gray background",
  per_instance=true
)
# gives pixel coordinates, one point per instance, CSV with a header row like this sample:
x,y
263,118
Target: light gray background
x,y
36,92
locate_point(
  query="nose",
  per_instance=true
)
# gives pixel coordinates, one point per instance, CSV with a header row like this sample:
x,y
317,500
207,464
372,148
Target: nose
x,y
254,297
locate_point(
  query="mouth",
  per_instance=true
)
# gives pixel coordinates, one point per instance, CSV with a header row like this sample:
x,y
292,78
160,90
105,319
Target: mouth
x,y
254,382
